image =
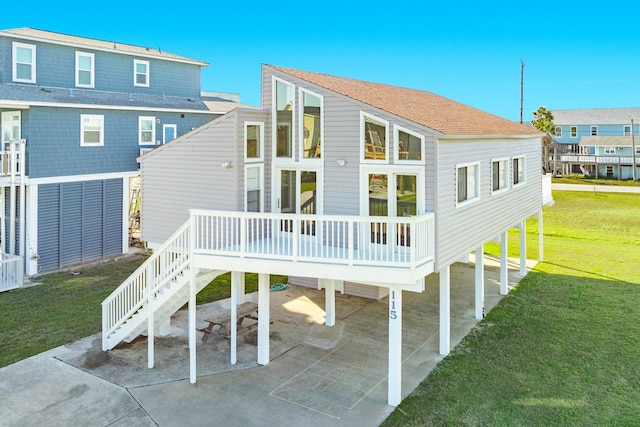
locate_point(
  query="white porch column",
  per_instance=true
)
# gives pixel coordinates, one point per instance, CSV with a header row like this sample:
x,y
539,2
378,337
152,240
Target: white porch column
x,y
523,248
329,286
233,316
239,286
395,347
263,319
479,310
150,323
192,316
445,308
541,237
32,229
504,267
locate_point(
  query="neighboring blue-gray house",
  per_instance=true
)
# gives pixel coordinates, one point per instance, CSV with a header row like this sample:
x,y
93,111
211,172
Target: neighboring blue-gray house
x,y
76,113
601,142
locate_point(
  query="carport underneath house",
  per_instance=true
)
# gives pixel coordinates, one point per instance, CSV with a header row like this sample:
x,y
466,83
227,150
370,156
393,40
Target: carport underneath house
x,y
294,257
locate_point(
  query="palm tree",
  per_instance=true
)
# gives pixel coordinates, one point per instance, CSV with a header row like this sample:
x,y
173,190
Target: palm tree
x,y
543,121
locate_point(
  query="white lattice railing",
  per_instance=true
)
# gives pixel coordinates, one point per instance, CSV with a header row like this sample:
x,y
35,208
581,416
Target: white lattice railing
x,y
166,263
344,240
11,272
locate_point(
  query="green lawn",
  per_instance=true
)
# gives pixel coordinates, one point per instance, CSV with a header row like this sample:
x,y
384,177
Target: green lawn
x,y
563,348
65,307
579,179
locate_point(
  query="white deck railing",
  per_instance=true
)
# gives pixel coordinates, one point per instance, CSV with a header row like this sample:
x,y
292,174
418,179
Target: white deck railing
x,y
344,240
11,155
591,158
11,272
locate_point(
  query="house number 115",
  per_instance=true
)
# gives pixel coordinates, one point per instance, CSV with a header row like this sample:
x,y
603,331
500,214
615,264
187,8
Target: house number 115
x,y
393,314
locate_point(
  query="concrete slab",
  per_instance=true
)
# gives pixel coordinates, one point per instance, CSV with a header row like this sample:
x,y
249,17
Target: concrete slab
x,y
317,376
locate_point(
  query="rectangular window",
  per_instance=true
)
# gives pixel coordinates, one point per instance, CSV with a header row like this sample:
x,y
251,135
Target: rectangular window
x,y
140,73
284,103
311,125
637,150
559,131
518,170
253,189
499,175
594,130
146,131
374,138
24,63
573,130
91,130
626,130
468,179
609,150
410,145
254,135
84,69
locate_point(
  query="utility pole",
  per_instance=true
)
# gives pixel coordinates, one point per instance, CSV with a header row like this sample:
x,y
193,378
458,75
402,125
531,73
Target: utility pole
x,y
634,174
521,90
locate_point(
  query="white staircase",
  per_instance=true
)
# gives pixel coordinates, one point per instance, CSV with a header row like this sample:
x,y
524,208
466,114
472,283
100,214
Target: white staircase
x,y
161,282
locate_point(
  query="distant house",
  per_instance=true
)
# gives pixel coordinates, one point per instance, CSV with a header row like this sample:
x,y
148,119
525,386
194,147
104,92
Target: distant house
x,y
76,113
338,183
598,142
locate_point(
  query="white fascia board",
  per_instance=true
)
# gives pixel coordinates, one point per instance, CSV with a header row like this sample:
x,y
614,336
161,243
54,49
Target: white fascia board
x,y
80,178
20,104
489,137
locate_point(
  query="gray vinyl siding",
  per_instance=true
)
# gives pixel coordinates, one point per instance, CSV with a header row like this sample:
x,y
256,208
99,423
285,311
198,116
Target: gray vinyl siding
x,y
460,230
79,222
186,174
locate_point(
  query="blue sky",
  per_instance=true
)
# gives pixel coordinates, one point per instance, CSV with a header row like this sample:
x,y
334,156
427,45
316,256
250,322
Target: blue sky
x,y
575,56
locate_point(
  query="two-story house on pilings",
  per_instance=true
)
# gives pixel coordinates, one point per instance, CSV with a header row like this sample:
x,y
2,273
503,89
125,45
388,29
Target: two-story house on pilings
x,y
340,184
76,113
598,142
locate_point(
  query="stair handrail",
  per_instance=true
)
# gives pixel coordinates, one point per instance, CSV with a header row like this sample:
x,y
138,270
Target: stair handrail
x,y
169,260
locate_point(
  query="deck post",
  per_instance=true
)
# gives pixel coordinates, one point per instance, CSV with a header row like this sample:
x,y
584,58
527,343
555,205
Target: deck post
x,y
504,267
238,286
445,307
150,320
329,301
523,248
479,309
395,347
233,338
541,237
192,304
263,319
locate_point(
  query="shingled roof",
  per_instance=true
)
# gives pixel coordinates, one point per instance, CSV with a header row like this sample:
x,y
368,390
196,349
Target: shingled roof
x,y
424,108
48,36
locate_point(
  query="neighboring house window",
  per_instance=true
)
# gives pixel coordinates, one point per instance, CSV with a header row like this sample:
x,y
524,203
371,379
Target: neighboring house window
x,y
609,171
374,138
518,170
283,117
311,126
609,150
627,130
91,130
559,131
410,146
499,175
594,130
84,69
254,200
24,63
254,137
146,130
467,182
140,73
573,130
637,150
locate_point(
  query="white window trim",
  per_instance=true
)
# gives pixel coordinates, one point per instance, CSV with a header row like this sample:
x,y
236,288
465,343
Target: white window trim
x,y
396,151
91,144
507,172
626,132
391,171
477,184
300,145
524,171
169,126
259,166
637,150
571,133
14,62
153,130
260,157
363,115
591,128
609,150
274,124
559,131
93,65
135,73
